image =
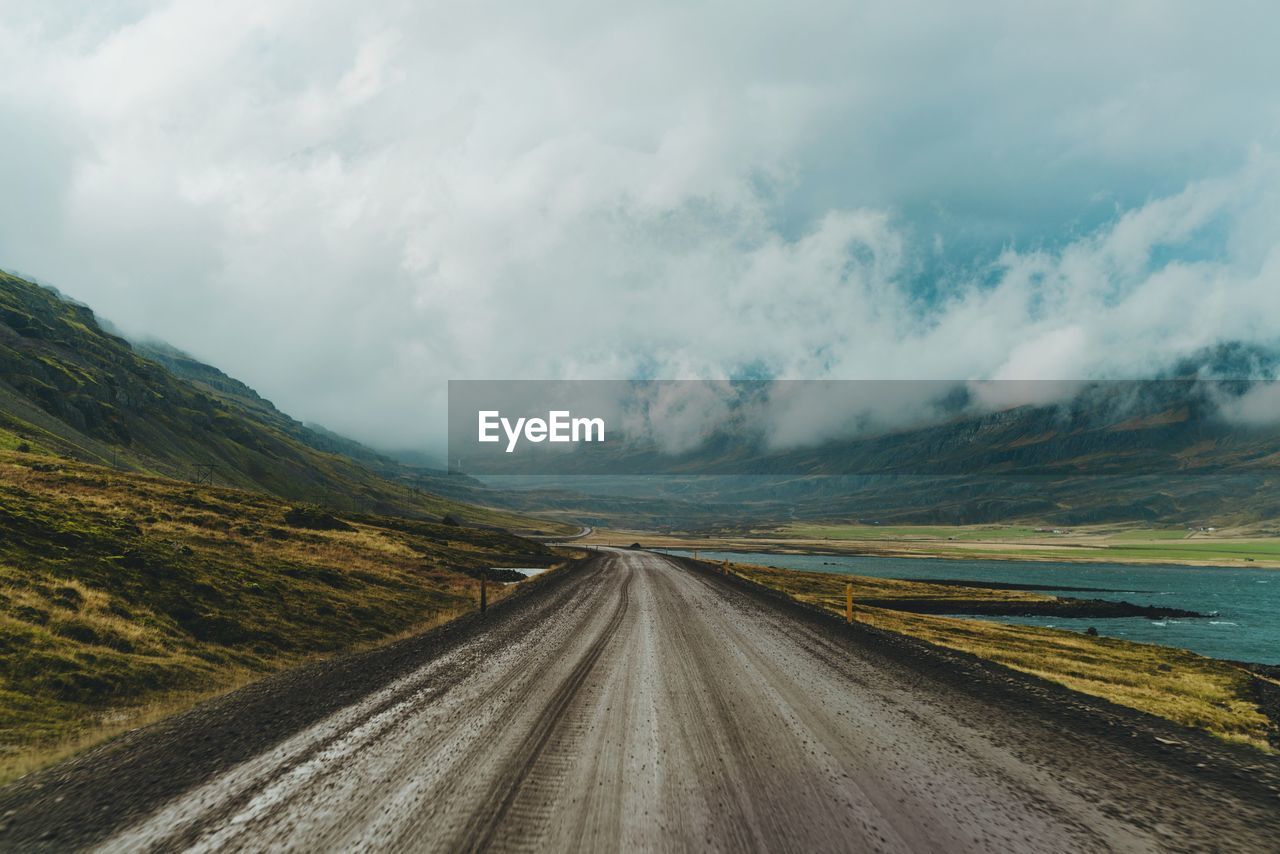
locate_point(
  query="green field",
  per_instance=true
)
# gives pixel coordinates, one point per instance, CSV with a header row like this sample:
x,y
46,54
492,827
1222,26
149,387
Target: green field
x,y
1202,550
907,532
1024,542
1151,534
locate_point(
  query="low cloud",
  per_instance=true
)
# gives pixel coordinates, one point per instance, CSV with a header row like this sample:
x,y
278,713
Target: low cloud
x,y
348,206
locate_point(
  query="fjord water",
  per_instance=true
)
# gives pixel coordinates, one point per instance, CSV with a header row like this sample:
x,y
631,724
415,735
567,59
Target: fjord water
x,y
1244,603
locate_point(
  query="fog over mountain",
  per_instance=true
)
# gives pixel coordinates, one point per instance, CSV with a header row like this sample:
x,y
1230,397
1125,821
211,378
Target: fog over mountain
x,y
346,206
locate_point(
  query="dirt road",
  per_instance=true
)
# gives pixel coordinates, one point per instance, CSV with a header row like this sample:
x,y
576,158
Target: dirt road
x,y
637,703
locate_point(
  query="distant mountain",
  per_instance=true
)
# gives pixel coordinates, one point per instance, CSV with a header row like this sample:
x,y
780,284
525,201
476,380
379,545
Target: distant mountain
x,y
1169,450
70,387
410,468
240,396
1164,450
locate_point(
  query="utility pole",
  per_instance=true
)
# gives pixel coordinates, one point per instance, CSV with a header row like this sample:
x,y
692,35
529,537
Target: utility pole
x,y
484,592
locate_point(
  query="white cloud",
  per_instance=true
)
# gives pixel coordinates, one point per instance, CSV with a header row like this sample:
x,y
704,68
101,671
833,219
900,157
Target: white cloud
x,y
348,205
1259,406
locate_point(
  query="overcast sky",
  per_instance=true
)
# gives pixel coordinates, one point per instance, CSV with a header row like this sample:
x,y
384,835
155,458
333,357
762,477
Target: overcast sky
x,y
346,205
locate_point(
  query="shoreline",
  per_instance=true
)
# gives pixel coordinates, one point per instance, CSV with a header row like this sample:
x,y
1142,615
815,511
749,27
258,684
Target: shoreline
x,y
1059,606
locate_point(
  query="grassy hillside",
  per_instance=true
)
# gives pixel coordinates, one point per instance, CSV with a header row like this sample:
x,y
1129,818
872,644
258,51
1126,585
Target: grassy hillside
x,y
70,388
240,397
127,589
124,595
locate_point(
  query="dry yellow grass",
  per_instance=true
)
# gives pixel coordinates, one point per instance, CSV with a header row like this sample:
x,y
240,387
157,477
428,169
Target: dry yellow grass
x,y
95,729
125,597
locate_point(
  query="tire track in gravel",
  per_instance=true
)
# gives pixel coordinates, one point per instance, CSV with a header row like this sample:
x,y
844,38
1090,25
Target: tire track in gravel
x,y
484,827
215,814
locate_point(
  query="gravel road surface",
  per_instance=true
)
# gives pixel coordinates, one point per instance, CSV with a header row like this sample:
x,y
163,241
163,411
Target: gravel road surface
x,y
636,702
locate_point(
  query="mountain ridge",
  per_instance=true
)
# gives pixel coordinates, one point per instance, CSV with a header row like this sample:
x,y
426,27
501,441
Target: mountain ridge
x,y
70,387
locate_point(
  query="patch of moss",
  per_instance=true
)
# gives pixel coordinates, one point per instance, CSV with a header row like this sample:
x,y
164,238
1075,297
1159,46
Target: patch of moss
x,y
314,518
